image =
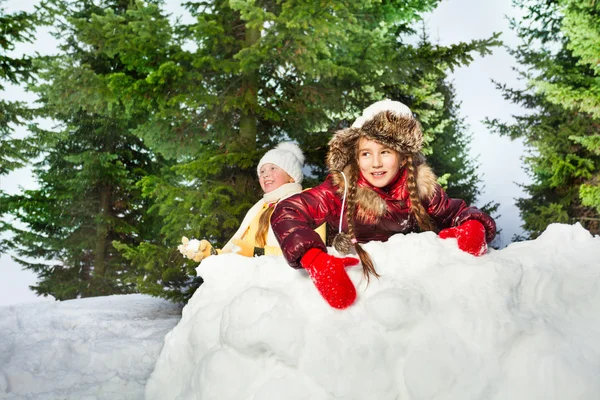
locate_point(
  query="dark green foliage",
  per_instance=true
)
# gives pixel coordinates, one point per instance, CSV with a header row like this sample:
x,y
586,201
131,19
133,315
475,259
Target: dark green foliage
x,y
15,28
87,171
561,131
87,198
161,126
261,72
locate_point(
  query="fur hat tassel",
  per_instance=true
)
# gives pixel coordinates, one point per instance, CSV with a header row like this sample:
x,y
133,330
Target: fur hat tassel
x,y
342,242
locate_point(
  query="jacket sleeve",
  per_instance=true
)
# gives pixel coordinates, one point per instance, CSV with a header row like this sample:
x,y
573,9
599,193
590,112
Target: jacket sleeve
x,y
448,212
294,220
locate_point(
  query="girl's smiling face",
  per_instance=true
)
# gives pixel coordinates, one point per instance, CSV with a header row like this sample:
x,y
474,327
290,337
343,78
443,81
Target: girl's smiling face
x,y
272,177
377,163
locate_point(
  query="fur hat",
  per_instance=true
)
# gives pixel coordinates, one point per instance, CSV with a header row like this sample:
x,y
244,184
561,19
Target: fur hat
x,y
288,157
388,122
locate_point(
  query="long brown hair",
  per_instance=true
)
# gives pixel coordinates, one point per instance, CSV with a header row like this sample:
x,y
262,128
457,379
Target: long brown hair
x,y
264,222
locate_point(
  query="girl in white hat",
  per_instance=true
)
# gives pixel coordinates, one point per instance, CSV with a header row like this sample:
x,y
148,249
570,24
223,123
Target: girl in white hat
x,y
280,176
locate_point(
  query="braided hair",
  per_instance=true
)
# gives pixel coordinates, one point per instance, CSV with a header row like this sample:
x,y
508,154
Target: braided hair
x,y
417,209
344,241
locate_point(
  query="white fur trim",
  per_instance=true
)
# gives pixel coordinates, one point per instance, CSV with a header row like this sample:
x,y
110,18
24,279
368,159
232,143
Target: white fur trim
x,y
380,106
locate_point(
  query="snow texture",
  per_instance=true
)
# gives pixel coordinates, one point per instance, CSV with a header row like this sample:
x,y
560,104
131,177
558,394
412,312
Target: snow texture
x,y
88,349
519,323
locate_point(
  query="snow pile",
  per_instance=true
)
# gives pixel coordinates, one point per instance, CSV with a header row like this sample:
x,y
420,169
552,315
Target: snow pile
x,y
520,323
88,349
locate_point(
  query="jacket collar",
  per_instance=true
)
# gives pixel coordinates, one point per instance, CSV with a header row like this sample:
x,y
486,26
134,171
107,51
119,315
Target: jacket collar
x,y
393,190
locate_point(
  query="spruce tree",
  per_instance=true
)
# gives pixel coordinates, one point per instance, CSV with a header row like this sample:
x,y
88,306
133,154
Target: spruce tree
x,y
580,92
89,166
16,28
258,73
14,70
203,101
560,131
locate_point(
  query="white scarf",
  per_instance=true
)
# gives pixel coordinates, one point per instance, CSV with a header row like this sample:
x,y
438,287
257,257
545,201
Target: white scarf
x,y
283,191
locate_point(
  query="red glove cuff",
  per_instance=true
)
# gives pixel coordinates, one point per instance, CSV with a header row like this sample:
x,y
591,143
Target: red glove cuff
x,y
310,256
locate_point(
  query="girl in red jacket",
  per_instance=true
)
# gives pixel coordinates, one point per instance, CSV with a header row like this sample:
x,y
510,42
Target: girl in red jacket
x,y
379,185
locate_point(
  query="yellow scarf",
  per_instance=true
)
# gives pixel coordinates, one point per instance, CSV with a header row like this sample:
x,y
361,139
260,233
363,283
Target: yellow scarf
x,y
253,215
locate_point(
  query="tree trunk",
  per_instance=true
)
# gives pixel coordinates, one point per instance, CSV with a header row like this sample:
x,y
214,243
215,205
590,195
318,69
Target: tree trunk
x,y
102,232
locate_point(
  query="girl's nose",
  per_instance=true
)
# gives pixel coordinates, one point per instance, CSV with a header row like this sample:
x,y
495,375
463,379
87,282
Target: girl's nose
x,y
377,161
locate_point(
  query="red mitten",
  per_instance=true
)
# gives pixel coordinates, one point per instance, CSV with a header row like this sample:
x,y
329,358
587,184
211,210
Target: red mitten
x,y
329,276
470,236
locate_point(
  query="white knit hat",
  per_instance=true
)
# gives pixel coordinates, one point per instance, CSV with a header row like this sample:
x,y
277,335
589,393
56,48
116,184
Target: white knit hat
x,y
288,157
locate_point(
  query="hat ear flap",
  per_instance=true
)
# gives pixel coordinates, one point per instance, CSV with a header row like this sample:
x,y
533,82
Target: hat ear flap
x,y
342,148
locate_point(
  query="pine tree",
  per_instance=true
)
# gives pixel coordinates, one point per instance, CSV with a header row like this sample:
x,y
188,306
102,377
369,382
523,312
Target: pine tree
x,y
580,92
203,102
580,28
16,28
260,72
90,165
560,133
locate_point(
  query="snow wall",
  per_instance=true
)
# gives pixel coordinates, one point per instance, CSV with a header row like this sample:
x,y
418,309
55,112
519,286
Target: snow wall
x,y
519,323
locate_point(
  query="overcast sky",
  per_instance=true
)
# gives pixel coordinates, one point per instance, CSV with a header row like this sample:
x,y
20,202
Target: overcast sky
x,y
452,22
462,20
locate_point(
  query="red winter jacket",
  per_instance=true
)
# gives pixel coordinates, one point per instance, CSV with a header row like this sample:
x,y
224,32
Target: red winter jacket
x,y
296,217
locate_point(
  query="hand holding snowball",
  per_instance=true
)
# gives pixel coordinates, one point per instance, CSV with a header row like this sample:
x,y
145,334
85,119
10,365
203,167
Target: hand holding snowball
x,y
196,250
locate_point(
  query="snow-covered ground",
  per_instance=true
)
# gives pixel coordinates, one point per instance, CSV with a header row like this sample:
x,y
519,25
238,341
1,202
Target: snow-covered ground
x,y
88,349
519,323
